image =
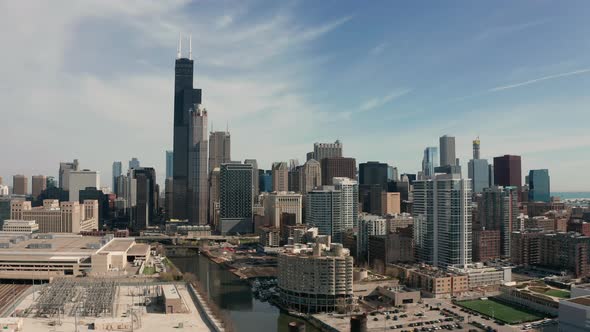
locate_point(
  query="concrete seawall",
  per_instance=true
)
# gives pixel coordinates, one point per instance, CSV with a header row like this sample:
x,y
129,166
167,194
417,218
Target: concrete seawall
x,y
204,310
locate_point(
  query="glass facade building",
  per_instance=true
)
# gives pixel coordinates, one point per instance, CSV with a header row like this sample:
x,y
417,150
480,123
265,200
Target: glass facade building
x,y
539,187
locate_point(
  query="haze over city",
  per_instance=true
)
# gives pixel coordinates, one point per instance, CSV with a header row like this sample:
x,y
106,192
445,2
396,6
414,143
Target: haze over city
x,y
93,80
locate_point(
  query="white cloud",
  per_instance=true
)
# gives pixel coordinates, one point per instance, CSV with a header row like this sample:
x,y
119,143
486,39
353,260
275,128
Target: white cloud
x,y
125,108
379,48
540,79
382,101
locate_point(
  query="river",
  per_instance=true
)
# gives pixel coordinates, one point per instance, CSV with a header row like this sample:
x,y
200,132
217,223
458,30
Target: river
x,y
235,297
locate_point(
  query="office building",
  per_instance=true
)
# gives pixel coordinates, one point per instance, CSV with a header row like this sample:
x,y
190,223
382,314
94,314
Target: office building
x,y
255,177
317,279
280,176
169,163
117,171
293,178
310,176
64,173
134,163
373,172
20,226
56,217
429,161
236,201
369,225
39,184
198,176
94,194
390,203
333,209
442,220
186,100
479,172
145,203
390,248
264,181
447,151
219,148
337,167
1,180
20,184
214,196
392,173
275,204
539,186
79,180
498,210
507,171
327,150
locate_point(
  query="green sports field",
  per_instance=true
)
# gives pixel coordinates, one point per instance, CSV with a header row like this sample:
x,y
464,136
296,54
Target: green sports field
x,y
500,311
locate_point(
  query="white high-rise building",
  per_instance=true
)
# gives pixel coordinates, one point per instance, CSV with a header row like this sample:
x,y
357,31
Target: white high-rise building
x,y
442,220
333,209
350,201
80,180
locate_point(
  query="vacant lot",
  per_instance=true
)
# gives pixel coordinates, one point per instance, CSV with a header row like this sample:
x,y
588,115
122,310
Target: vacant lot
x,y
500,311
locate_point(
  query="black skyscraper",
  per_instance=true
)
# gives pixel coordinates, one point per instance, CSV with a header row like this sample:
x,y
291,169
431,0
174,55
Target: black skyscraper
x,y
185,98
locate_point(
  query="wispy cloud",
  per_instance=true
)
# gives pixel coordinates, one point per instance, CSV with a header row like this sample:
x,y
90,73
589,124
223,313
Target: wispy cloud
x,y
379,48
381,101
540,79
501,30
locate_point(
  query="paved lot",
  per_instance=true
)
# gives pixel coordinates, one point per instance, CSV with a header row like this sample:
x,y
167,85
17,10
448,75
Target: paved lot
x,y
420,316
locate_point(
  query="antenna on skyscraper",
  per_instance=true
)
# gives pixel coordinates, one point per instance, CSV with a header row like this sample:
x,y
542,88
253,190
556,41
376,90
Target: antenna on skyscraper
x,y
178,53
190,47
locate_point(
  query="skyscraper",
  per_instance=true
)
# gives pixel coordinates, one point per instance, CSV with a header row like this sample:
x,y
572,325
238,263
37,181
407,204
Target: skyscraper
x,y
539,185
333,209
80,180
39,184
337,167
20,184
235,198
146,191
310,176
134,163
478,170
497,209
198,189
476,144
447,151
169,163
219,148
373,172
185,99
255,190
507,171
327,150
117,170
280,176
64,173
429,161
442,220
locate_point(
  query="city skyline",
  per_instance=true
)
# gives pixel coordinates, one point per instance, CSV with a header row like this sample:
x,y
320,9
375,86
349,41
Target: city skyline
x,y
247,85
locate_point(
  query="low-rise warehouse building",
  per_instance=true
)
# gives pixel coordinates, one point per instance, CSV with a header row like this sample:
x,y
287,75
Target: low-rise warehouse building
x,y
172,300
45,256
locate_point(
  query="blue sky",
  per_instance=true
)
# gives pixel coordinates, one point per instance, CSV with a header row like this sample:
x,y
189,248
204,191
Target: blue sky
x,y
93,80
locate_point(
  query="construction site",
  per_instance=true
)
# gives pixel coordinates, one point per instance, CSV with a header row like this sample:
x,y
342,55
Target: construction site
x,y
105,304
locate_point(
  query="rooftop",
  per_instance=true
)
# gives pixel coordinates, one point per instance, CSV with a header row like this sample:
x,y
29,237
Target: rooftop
x,y
60,246
119,244
584,300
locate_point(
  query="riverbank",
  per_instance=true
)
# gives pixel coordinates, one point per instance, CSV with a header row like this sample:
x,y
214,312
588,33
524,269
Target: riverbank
x,y
243,265
234,296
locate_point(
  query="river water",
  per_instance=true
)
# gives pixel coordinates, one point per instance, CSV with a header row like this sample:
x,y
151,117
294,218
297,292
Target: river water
x,y
235,297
